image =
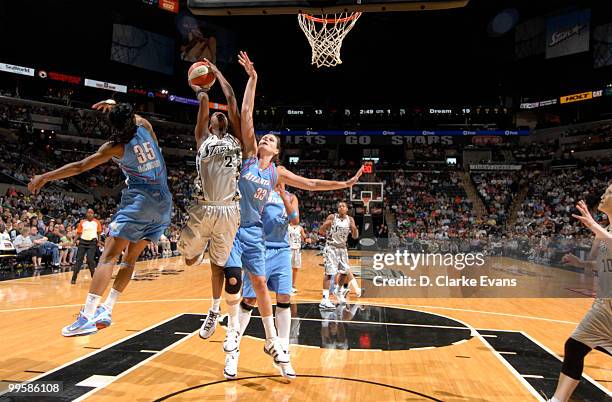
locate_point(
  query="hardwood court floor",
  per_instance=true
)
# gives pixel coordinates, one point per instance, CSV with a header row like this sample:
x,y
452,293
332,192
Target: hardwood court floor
x,y
400,349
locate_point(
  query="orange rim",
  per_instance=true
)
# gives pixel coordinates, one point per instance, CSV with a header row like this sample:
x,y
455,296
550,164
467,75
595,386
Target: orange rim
x,y
353,16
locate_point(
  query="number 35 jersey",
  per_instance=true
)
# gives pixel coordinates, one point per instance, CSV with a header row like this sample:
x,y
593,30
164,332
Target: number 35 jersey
x,y
142,162
218,164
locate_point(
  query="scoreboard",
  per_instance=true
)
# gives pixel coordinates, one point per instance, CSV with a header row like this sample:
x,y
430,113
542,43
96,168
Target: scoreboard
x,y
236,7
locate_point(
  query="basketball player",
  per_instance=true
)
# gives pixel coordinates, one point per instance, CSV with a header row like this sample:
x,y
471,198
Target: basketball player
x,y
595,329
258,177
142,216
296,237
280,210
215,215
337,228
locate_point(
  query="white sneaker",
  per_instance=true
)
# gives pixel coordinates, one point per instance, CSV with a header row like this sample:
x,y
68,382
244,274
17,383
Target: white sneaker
x,y
230,371
274,349
358,292
230,344
286,369
326,304
344,293
339,293
210,324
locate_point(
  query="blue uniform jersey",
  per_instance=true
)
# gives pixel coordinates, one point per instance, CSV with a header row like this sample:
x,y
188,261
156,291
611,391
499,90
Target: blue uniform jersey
x,y
142,162
255,187
275,222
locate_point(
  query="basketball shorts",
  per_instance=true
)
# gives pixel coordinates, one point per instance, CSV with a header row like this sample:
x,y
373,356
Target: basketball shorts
x,y
335,260
278,273
296,258
595,329
143,213
248,250
212,226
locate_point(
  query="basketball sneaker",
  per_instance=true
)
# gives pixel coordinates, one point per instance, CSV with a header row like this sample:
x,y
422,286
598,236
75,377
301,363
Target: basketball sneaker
x,y
230,371
339,293
82,326
274,349
286,369
102,318
326,304
210,324
344,293
231,342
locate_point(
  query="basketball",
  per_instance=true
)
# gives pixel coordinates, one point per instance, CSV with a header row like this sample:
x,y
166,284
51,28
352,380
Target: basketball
x,y
201,75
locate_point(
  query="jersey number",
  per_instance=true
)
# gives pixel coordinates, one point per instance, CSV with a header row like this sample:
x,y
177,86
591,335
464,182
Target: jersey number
x,y
260,194
143,154
228,161
608,265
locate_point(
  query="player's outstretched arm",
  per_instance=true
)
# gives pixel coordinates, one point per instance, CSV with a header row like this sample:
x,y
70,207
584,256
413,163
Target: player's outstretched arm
x,y
201,129
104,154
287,177
230,97
247,127
326,225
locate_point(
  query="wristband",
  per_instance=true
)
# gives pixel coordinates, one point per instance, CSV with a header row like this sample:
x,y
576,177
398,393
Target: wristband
x,y
293,215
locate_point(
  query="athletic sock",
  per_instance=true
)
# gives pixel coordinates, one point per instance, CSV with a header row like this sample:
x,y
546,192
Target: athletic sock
x,y
111,299
355,285
233,307
326,293
91,303
283,324
216,304
268,323
244,316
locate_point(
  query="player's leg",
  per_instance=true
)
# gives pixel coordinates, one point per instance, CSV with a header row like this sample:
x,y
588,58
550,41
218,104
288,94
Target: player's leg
x,y
354,284
85,323
296,264
571,370
331,267
279,280
103,316
222,236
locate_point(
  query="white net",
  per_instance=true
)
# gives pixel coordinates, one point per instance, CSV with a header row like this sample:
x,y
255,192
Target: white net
x,y
325,35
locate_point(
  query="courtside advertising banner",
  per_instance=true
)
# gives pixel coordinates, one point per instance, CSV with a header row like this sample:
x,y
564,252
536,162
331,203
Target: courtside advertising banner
x,y
105,85
568,34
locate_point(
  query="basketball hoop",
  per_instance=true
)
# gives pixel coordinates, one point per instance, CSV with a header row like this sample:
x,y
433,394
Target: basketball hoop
x,y
326,38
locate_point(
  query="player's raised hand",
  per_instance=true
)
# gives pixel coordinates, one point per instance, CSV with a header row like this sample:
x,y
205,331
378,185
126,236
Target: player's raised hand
x,y
245,61
105,105
196,88
354,179
571,259
215,70
36,183
280,187
585,216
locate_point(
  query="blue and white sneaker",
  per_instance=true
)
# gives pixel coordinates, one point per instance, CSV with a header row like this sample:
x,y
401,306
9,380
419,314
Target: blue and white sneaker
x,y
82,326
102,318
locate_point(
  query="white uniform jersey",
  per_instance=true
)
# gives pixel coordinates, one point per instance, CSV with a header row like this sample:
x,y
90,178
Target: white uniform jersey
x,y
339,231
295,237
218,163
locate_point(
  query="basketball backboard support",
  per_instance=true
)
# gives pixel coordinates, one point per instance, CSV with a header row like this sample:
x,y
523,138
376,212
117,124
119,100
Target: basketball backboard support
x,y
270,7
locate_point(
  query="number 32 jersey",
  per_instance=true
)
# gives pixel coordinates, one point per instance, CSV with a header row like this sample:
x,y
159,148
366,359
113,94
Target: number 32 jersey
x,y
218,164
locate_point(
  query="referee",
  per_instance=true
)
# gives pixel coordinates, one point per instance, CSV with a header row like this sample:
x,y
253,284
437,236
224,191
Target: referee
x,y
88,236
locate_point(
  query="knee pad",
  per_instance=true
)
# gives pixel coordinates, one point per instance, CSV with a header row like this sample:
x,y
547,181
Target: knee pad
x,y
573,361
236,273
246,307
283,305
